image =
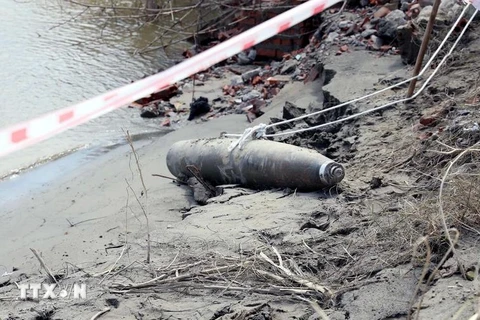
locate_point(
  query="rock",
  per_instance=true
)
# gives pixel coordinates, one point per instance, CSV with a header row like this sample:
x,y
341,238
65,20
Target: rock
x,y
332,36
414,11
291,111
300,56
150,112
187,87
344,25
200,193
258,104
387,28
367,33
352,30
251,116
257,80
281,127
276,65
376,42
449,9
350,141
382,12
251,95
424,16
236,80
446,15
408,43
375,183
373,22
432,117
278,79
273,91
166,122
289,66
397,17
247,76
386,48
314,73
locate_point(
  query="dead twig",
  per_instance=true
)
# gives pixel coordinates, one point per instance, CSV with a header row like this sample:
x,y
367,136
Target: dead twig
x,y
169,178
292,276
440,203
424,273
50,275
109,270
99,314
144,209
196,173
161,279
83,221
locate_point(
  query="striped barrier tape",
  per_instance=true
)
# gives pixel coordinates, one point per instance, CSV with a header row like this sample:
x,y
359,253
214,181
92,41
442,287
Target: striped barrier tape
x,y
30,132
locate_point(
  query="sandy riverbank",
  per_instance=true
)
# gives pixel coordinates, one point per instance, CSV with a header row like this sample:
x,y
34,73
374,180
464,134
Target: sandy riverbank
x,y
94,197
345,239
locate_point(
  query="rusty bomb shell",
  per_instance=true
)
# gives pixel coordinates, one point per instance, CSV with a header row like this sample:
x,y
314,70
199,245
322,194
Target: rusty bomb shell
x,y
258,164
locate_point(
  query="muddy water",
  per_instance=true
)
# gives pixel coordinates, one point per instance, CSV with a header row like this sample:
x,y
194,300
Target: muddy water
x,y
47,64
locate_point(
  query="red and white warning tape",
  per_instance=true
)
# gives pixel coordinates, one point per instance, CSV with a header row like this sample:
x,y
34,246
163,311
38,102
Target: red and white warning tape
x,y
33,131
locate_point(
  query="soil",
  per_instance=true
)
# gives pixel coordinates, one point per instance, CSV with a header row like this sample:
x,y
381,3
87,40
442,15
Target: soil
x,y
357,251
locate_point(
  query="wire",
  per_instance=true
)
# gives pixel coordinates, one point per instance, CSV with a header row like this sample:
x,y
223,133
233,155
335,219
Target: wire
x,y
388,104
373,93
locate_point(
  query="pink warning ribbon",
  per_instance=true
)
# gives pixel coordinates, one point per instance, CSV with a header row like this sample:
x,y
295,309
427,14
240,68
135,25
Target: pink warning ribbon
x,y
30,132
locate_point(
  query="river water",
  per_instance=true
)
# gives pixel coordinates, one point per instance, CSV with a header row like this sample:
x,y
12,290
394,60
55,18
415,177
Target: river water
x,y
47,64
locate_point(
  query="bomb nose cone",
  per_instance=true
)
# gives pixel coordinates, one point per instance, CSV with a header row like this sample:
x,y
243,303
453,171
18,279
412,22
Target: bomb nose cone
x,y
331,173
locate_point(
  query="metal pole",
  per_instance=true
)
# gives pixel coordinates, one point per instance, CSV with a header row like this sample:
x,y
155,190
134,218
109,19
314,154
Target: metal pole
x,y
424,47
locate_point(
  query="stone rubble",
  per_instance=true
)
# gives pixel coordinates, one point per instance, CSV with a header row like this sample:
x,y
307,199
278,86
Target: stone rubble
x,y
389,28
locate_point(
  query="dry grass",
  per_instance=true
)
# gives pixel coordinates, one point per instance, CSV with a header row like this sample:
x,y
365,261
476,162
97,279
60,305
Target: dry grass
x,y
450,209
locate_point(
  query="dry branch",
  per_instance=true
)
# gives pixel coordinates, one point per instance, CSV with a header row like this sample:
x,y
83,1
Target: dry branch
x,y
99,314
50,275
292,276
144,209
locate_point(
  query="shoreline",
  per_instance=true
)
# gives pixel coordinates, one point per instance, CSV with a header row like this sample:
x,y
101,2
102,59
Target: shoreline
x,y
32,179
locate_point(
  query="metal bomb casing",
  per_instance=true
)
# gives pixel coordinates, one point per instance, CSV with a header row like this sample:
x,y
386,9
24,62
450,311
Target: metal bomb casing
x,y
258,164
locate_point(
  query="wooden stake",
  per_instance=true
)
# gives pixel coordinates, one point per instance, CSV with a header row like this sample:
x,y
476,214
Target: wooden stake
x,y
423,47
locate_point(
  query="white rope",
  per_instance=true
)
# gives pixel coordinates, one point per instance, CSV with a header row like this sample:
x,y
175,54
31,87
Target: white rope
x,y
388,104
258,130
384,89
368,95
